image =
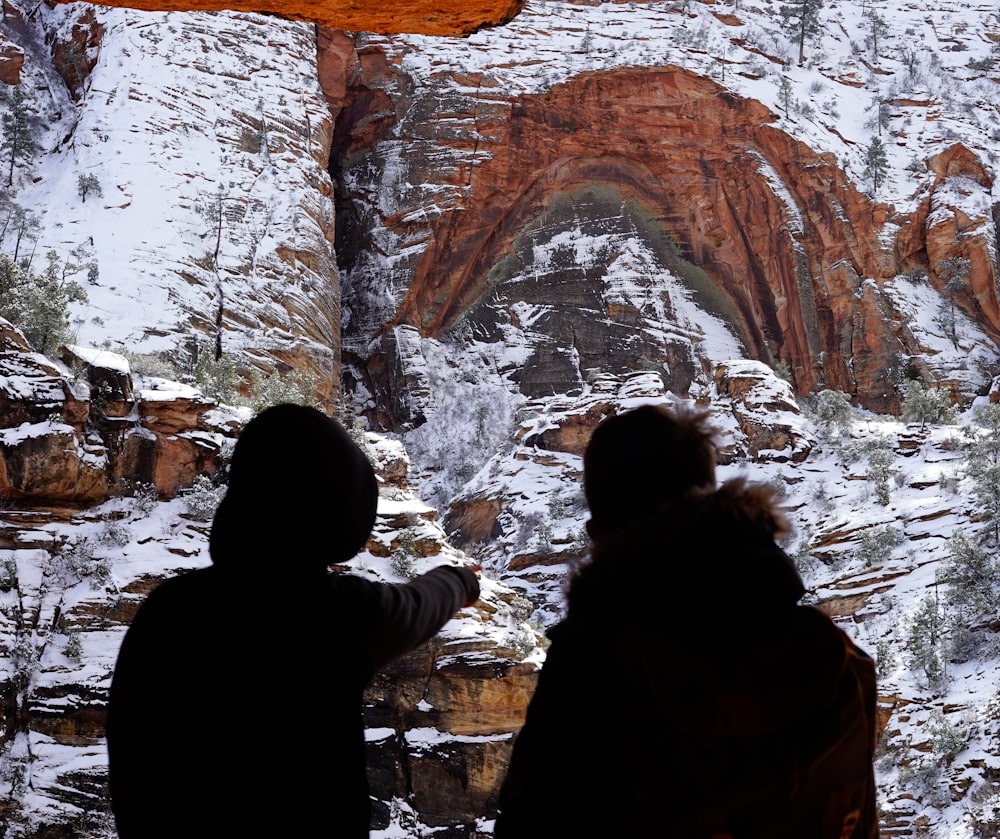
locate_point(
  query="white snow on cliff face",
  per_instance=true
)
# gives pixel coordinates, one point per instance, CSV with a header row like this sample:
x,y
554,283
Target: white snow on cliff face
x,y
208,137
189,115
184,116
930,71
875,547
63,589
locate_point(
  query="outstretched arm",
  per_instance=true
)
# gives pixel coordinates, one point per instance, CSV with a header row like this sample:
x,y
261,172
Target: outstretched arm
x,y
395,619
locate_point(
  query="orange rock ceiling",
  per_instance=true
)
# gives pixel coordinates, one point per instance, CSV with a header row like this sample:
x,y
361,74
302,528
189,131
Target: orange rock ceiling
x,y
425,17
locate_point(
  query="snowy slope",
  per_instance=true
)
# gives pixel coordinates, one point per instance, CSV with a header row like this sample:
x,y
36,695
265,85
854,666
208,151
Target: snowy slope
x,y
934,69
185,116
208,138
939,758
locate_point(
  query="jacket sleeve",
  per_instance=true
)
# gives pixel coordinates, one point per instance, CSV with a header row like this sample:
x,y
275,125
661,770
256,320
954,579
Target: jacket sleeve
x,y
861,664
394,619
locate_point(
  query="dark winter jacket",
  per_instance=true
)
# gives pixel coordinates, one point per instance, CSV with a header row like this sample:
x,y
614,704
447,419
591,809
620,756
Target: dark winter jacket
x,y
235,706
236,702
688,695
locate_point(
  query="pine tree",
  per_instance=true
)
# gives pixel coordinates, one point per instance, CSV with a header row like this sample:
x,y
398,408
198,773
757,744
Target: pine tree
x,y
953,271
213,209
16,140
878,29
925,640
876,163
973,576
39,303
22,224
785,94
802,17
983,465
882,114
86,184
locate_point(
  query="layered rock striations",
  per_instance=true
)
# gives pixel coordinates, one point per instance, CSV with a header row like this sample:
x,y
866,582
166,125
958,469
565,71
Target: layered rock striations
x,y
209,219
90,471
505,239
513,207
78,438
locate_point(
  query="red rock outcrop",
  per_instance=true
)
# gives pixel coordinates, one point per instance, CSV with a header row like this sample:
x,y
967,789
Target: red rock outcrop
x,y
74,57
426,17
709,167
765,411
787,240
958,218
11,62
74,440
452,705
11,54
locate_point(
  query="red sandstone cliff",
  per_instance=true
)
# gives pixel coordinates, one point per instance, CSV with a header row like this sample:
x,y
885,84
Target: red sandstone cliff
x,y
794,253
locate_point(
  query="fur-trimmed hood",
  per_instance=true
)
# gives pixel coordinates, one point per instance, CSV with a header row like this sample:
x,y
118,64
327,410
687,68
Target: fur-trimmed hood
x,y
699,564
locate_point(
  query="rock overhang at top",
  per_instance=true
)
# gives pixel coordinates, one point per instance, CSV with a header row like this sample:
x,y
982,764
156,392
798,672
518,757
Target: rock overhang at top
x,y
419,17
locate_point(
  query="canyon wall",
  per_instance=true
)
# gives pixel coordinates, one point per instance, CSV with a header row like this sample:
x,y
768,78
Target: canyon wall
x,y
770,236
210,224
490,266
96,470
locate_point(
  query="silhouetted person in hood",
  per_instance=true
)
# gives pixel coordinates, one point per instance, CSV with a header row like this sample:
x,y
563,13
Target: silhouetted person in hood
x,y
687,694
235,706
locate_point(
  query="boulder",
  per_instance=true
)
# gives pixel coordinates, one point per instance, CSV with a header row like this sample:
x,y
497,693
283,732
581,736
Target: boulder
x,y
765,410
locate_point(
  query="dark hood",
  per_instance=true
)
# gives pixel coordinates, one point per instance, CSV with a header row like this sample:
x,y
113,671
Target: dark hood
x,y
301,494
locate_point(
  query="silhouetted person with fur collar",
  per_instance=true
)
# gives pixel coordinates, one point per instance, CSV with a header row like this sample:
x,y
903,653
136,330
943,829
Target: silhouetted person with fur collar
x,y
235,706
687,694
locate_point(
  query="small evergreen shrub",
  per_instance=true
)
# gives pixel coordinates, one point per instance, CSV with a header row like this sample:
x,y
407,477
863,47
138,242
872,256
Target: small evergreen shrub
x,y
885,660
8,573
925,782
295,388
881,469
115,533
153,365
217,377
521,641
401,560
779,486
947,740
82,561
831,411
24,655
544,533
875,545
73,648
203,499
923,405
144,497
